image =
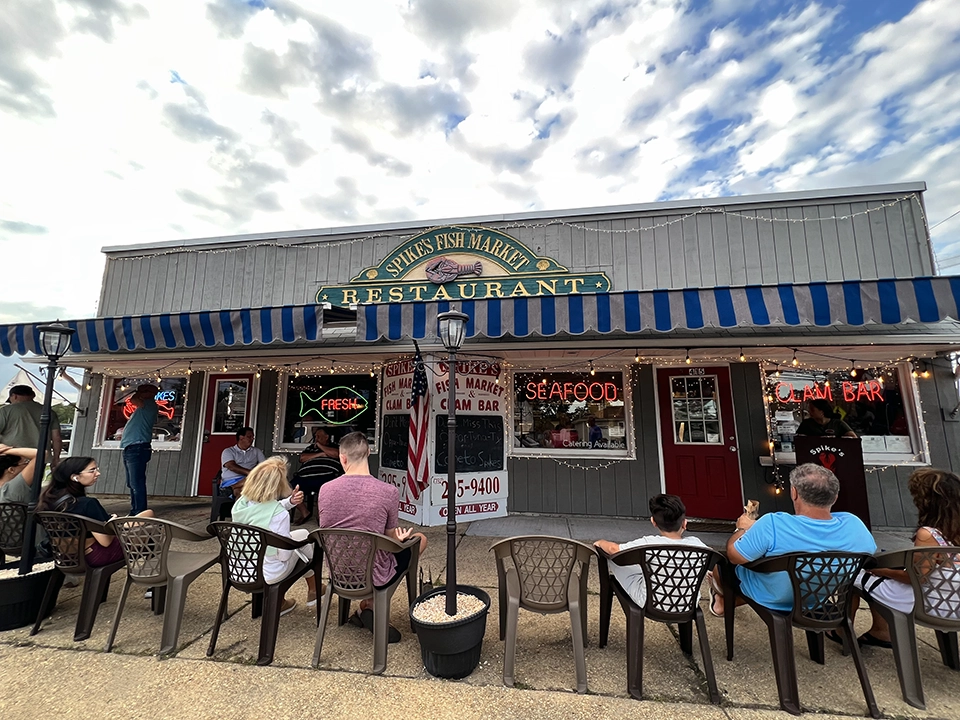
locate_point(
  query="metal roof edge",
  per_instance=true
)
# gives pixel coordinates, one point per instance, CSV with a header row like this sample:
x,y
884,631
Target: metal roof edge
x,y
693,203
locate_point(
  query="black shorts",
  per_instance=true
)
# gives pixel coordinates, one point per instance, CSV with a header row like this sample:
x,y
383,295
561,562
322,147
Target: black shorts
x,y
403,562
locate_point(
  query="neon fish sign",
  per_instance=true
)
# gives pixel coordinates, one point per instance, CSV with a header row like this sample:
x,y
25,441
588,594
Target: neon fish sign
x,y
338,406
164,398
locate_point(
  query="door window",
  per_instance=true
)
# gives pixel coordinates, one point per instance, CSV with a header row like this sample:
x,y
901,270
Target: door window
x,y
696,411
230,411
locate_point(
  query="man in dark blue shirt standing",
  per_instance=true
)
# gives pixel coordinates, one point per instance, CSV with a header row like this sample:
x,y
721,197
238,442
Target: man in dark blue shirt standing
x,y
135,442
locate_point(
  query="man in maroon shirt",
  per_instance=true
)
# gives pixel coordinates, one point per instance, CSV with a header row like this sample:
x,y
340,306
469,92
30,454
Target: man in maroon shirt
x,y
358,501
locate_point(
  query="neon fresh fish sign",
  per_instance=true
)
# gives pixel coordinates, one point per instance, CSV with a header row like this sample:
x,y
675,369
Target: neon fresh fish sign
x,y
338,406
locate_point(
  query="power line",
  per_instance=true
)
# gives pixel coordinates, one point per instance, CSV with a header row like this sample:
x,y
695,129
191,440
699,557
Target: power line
x,y
944,220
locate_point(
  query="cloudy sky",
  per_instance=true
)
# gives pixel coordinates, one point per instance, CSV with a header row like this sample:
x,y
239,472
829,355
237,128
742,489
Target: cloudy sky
x,y
125,122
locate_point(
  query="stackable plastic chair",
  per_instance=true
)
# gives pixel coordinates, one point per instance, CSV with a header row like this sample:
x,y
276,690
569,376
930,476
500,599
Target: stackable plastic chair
x,y
13,518
822,586
935,577
546,575
242,551
350,556
67,533
151,562
672,575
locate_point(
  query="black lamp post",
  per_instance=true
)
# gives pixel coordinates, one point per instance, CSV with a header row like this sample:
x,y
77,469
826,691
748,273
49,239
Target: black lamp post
x,y
54,341
453,325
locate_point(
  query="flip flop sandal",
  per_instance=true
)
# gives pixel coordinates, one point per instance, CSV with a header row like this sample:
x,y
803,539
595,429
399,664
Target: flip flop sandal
x,y
713,598
355,620
366,617
868,639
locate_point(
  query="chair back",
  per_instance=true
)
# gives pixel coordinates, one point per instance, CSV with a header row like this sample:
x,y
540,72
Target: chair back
x,y
350,556
13,519
145,543
935,576
67,533
822,585
544,567
673,575
242,550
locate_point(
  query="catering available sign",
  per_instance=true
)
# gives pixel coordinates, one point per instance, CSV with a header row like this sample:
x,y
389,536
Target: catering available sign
x,y
461,263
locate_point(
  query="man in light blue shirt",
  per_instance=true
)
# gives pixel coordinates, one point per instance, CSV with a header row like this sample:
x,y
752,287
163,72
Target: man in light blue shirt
x,y
135,444
813,528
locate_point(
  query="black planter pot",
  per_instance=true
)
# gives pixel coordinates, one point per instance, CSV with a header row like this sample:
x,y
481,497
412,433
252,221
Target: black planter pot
x,y
452,650
20,598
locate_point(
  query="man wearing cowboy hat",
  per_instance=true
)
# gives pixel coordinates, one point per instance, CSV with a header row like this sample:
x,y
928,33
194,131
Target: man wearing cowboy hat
x,y
135,443
20,422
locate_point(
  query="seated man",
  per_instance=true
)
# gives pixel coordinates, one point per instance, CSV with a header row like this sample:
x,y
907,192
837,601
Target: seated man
x,y
813,528
668,515
358,501
238,460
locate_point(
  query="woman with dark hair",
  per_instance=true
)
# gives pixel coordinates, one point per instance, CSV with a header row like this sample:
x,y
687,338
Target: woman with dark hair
x,y
67,492
823,422
936,493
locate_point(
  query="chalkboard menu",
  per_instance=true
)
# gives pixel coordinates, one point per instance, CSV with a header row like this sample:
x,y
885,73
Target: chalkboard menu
x,y
479,444
394,441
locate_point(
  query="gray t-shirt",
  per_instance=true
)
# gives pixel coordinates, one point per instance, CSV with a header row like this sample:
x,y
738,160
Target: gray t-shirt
x,y
249,459
631,576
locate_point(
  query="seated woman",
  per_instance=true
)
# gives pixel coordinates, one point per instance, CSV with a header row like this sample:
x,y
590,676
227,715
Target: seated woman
x,y
67,492
265,503
936,493
319,463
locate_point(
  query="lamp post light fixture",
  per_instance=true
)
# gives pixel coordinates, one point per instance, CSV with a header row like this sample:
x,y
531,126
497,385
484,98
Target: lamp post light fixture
x,y
54,342
453,326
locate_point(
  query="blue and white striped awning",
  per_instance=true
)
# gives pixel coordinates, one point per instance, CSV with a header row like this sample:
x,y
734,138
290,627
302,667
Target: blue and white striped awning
x,y
175,331
819,304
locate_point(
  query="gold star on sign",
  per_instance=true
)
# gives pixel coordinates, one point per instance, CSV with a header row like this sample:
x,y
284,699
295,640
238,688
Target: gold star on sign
x,y
325,297
599,284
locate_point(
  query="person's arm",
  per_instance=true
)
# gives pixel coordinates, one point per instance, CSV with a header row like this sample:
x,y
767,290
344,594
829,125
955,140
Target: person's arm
x,y
399,534
26,453
57,443
610,548
922,539
309,453
238,469
744,523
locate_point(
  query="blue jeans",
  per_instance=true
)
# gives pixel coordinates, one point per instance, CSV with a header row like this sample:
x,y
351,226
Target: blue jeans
x,y
135,459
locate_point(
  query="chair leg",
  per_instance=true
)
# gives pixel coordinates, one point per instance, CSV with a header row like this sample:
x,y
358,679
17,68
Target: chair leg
x,y
322,614
381,621
635,634
815,647
949,651
343,611
577,631
50,599
95,586
508,622
221,611
256,605
903,636
158,602
606,609
728,573
502,600
117,614
173,615
784,662
269,624
707,658
861,669
685,631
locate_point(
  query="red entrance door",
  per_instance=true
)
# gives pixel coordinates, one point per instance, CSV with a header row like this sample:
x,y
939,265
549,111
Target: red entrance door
x,y
228,408
700,458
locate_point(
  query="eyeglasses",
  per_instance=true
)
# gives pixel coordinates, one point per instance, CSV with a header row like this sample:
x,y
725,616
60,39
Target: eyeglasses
x,y
91,470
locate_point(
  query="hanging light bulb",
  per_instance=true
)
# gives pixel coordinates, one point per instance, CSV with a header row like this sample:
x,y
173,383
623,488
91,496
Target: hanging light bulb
x,y
373,368
224,366
592,371
636,358
498,380
794,362
880,379
296,372
743,358
89,386
544,381
189,368
331,366
257,374
687,359
777,373
777,490
853,369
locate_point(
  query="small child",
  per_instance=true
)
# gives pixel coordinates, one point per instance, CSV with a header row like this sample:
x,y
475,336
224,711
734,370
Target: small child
x,y
669,516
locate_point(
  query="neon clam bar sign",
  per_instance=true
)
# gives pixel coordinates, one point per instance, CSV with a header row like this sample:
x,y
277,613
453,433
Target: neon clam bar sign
x,y
867,390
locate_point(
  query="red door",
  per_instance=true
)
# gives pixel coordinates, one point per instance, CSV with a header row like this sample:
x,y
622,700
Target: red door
x,y
228,408
700,458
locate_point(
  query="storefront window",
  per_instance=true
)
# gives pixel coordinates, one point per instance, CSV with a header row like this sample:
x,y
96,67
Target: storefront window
x,y
875,403
570,413
171,401
339,403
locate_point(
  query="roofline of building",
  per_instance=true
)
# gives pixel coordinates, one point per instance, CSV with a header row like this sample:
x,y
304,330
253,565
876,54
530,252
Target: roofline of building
x,y
660,206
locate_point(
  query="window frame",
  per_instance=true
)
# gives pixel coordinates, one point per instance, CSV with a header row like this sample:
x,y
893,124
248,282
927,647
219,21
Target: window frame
x,y
106,399
518,451
282,388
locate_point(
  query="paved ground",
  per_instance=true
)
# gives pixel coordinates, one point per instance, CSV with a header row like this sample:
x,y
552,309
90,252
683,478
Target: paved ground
x,y
82,681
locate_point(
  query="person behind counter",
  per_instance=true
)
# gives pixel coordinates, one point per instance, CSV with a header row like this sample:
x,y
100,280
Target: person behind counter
x,y
822,422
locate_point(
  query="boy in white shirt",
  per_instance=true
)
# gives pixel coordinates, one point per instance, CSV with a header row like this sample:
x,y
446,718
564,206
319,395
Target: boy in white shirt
x,y
669,515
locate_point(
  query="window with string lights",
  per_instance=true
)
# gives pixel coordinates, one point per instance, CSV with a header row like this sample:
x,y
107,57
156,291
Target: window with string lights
x,y
877,404
571,414
116,409
340,404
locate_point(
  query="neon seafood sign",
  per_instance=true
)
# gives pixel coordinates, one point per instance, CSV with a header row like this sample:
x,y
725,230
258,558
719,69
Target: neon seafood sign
x,y
573,391
868,390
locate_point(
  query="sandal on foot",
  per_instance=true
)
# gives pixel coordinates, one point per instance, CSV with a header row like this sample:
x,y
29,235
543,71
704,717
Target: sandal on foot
x,y
366,617
868,639
713,599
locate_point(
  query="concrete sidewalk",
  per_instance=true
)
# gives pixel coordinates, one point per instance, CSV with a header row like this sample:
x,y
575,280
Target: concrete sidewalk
x,y
83,681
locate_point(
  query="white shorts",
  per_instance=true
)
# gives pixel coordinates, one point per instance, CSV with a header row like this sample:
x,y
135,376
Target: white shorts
x,y
886,591
275,570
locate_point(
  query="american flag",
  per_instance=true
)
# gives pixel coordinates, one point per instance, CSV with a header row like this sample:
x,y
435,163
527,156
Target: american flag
x,y
418,470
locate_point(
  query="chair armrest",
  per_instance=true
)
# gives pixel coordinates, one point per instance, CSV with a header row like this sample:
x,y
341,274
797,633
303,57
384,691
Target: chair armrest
x,y
780,563
182,532
890,560
385,542
97,526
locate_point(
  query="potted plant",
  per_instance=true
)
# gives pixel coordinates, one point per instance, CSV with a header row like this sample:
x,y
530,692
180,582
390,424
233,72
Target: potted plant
x,y
450,621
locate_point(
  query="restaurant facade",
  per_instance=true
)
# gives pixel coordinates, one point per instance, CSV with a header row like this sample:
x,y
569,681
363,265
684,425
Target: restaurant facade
x,y
612,353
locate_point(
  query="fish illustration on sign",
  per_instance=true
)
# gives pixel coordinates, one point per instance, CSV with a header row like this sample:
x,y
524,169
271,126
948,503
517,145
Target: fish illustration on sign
x,y
443,270
338,406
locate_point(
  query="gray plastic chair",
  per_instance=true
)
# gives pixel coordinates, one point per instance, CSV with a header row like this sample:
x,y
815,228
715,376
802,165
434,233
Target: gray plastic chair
x,y
936,606
672,575
151,562
350,556
546,575
13,519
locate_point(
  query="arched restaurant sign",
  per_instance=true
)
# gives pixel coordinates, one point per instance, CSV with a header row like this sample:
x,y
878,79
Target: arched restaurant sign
x,y
461,263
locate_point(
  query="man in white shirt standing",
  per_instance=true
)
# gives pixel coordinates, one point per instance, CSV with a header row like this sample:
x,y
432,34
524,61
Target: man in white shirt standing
x,y
238,460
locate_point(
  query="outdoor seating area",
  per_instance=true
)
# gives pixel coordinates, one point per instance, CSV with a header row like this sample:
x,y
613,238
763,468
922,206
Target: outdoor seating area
x,y
578,645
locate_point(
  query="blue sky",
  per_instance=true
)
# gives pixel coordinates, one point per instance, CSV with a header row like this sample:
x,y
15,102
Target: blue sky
x,y
128,122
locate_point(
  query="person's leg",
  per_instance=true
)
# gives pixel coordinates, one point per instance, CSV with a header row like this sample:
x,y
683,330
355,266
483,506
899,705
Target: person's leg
x,y
132,466
714,581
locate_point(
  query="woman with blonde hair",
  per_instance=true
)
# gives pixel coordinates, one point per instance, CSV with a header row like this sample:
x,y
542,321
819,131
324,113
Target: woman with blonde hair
x,y
266,502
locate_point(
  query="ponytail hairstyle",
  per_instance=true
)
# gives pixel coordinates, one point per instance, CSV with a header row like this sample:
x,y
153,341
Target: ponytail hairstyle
x,y
63,484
